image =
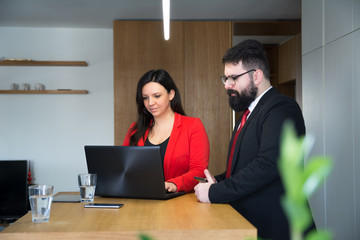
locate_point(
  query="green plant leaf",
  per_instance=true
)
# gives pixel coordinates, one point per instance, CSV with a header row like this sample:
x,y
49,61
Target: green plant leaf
x,y
319,235
300,181
144,236
291,159
293,180
299,214
292,147
315,173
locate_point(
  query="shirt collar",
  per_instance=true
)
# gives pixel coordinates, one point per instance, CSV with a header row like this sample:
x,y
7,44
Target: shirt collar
x,y
256,101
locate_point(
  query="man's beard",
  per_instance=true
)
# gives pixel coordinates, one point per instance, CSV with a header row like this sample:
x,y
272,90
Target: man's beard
x,y
241,102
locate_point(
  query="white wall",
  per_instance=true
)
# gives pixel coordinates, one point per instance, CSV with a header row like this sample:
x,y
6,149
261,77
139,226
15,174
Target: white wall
x,y
51,130
331,88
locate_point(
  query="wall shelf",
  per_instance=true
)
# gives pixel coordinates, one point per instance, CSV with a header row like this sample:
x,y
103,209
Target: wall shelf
x,y
60,91
30,62
42,63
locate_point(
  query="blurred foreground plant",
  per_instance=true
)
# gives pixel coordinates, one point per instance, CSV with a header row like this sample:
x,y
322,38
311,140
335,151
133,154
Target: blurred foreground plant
x,y
143,236
300,182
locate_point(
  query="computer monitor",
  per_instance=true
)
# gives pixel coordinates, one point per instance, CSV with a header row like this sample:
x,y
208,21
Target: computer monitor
x,y
13,187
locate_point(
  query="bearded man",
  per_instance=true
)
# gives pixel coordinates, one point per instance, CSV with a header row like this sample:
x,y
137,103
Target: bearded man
x,y
251,183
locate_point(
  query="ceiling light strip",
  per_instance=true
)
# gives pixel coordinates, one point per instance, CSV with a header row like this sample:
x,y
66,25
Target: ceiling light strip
x,y
166,18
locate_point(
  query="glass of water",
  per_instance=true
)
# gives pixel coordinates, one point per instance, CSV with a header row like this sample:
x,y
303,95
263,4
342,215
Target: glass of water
x,y
40,197
87,185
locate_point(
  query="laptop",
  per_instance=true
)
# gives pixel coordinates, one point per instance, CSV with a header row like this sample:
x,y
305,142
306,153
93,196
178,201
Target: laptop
x,y
128,171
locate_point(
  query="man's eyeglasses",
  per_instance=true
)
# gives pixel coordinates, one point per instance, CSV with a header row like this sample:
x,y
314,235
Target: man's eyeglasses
x,y
232,79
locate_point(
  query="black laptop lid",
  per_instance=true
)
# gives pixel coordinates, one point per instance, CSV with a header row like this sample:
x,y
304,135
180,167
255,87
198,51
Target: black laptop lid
x,y
14,183
127,171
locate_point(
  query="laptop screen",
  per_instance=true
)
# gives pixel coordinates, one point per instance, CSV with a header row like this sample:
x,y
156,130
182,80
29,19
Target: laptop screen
x,y
13,182
127,171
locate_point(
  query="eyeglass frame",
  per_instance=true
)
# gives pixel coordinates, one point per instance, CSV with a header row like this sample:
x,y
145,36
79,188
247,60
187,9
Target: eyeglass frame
x,y
234,78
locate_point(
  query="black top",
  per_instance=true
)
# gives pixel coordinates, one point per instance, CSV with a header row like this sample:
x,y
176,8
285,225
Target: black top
x,y
162,145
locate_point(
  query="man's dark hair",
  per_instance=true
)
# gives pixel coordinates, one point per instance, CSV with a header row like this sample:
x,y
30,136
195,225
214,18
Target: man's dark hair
x,y
251,54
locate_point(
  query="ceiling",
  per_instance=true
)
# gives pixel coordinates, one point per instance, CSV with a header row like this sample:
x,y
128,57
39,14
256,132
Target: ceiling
x,y
102,13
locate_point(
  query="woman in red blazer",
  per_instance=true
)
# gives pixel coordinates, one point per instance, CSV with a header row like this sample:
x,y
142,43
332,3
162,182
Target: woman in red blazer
x,y
183,141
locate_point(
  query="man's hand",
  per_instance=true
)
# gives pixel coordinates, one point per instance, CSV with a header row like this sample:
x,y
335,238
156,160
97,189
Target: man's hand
x,y
209,176
202,189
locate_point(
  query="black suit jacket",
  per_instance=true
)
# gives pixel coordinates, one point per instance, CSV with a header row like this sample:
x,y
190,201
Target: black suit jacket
x,y
254,187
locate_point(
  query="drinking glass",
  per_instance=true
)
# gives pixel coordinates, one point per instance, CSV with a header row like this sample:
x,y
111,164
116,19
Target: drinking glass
x,y
87,185
40,197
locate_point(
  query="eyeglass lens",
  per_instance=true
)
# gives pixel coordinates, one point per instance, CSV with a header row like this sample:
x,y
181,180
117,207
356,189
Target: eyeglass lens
x,y
232,79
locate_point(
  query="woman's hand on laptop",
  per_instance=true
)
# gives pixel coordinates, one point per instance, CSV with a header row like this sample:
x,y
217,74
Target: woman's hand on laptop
x,y
170,187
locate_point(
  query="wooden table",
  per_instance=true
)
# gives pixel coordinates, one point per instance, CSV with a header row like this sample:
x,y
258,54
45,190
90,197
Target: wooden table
x,y
178,218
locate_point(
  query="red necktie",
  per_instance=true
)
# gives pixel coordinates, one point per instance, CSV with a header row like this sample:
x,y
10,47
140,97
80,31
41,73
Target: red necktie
x,y
243,120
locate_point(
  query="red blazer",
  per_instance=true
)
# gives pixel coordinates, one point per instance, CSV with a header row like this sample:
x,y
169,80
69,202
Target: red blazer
x,y
187,153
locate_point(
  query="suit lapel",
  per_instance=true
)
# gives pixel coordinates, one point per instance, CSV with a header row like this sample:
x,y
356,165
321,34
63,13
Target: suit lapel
x,y
238,142
253,114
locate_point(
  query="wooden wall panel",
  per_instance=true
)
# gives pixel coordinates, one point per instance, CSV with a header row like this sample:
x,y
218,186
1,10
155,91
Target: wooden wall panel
x,y
287,61
193,58
205,95
139,46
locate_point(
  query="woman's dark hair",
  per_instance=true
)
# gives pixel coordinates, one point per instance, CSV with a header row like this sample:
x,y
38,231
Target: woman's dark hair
x,y
145,119
251,53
